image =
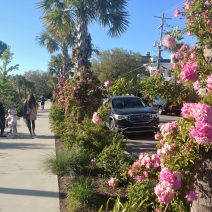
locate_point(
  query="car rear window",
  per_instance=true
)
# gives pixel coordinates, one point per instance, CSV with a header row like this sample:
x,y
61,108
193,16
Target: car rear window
x,y
127,103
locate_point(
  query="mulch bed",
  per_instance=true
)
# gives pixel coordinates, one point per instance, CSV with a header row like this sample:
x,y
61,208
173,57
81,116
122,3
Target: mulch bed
x,y
102,191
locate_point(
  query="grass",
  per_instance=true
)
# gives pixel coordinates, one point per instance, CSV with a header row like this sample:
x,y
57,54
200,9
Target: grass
x,y
68,162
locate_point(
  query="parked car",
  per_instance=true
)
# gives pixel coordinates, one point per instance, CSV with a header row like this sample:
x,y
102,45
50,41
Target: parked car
x,y
130,114
164,107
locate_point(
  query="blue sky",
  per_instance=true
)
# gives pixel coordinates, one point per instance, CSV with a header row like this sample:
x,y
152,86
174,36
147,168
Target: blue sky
x,y
20,23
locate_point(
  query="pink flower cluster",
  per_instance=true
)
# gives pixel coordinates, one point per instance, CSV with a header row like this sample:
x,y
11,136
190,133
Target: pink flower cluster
x,y
139,168
202,115
189,71
164,192
96,119
174,178
166,148
169,41
107,83
169,181
168,128
187,4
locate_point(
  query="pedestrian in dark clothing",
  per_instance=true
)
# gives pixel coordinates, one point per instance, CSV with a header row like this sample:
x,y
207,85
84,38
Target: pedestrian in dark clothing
x,y
42,100
2,119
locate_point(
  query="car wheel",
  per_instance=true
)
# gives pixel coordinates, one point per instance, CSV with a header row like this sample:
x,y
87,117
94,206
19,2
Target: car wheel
x,y
160,111
112,125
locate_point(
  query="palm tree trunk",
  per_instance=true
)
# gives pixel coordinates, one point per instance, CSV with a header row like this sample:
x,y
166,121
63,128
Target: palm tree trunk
x,y
65,57
204,183
83,44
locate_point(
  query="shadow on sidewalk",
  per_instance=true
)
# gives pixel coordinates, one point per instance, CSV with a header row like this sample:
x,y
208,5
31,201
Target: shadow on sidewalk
x,y
5,145
28,192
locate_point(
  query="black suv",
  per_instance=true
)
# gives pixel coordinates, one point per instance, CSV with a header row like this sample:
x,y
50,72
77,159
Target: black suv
x,y
130,114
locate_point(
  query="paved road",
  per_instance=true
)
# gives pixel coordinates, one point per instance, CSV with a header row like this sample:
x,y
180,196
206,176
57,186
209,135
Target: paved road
x,y
144,142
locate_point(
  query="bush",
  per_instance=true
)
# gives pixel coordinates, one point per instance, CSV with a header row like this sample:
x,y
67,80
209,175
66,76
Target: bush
x,y
56,118
69,162
93,137
113,158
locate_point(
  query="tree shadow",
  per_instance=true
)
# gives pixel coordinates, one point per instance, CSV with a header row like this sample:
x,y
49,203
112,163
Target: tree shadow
x,y
29,192
6,145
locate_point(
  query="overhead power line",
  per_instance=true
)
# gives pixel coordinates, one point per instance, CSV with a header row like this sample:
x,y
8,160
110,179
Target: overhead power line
x,y
158,44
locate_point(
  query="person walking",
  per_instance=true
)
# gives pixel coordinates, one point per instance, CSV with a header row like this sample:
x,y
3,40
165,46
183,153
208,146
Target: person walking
x,y
30,113
2,119
42,100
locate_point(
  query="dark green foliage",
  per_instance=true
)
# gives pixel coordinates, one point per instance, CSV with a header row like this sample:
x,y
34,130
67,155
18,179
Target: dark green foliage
x,y
93,137
56,117
115,63
114,159
141,191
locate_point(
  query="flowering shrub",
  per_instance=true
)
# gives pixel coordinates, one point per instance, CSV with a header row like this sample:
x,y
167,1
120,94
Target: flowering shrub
x,y
80,96
184,149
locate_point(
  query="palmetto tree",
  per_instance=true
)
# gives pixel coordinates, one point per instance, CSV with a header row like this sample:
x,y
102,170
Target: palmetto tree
x,y
59,31
108,13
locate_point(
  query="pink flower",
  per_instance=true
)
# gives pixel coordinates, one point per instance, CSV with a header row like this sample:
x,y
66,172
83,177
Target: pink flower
x,y
164,192
139,178
209,83
130,172
202,132
176,13
156,72
112,182
157,136
189,72
107,83
166,175
96,119
177,55
207,3
177,178
174,178
145,173
184,47
196,85
191,196
168,128
187,4
169,42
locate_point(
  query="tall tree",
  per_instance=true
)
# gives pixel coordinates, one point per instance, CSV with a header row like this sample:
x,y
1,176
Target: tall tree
x,y
6,59
110,13
114,63
59,34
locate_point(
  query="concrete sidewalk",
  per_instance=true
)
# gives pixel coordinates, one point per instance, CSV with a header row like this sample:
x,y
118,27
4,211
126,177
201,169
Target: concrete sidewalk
x,y
25,185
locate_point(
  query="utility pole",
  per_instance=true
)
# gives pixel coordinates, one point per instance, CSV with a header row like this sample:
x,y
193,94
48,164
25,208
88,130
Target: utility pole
x,y
158,44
